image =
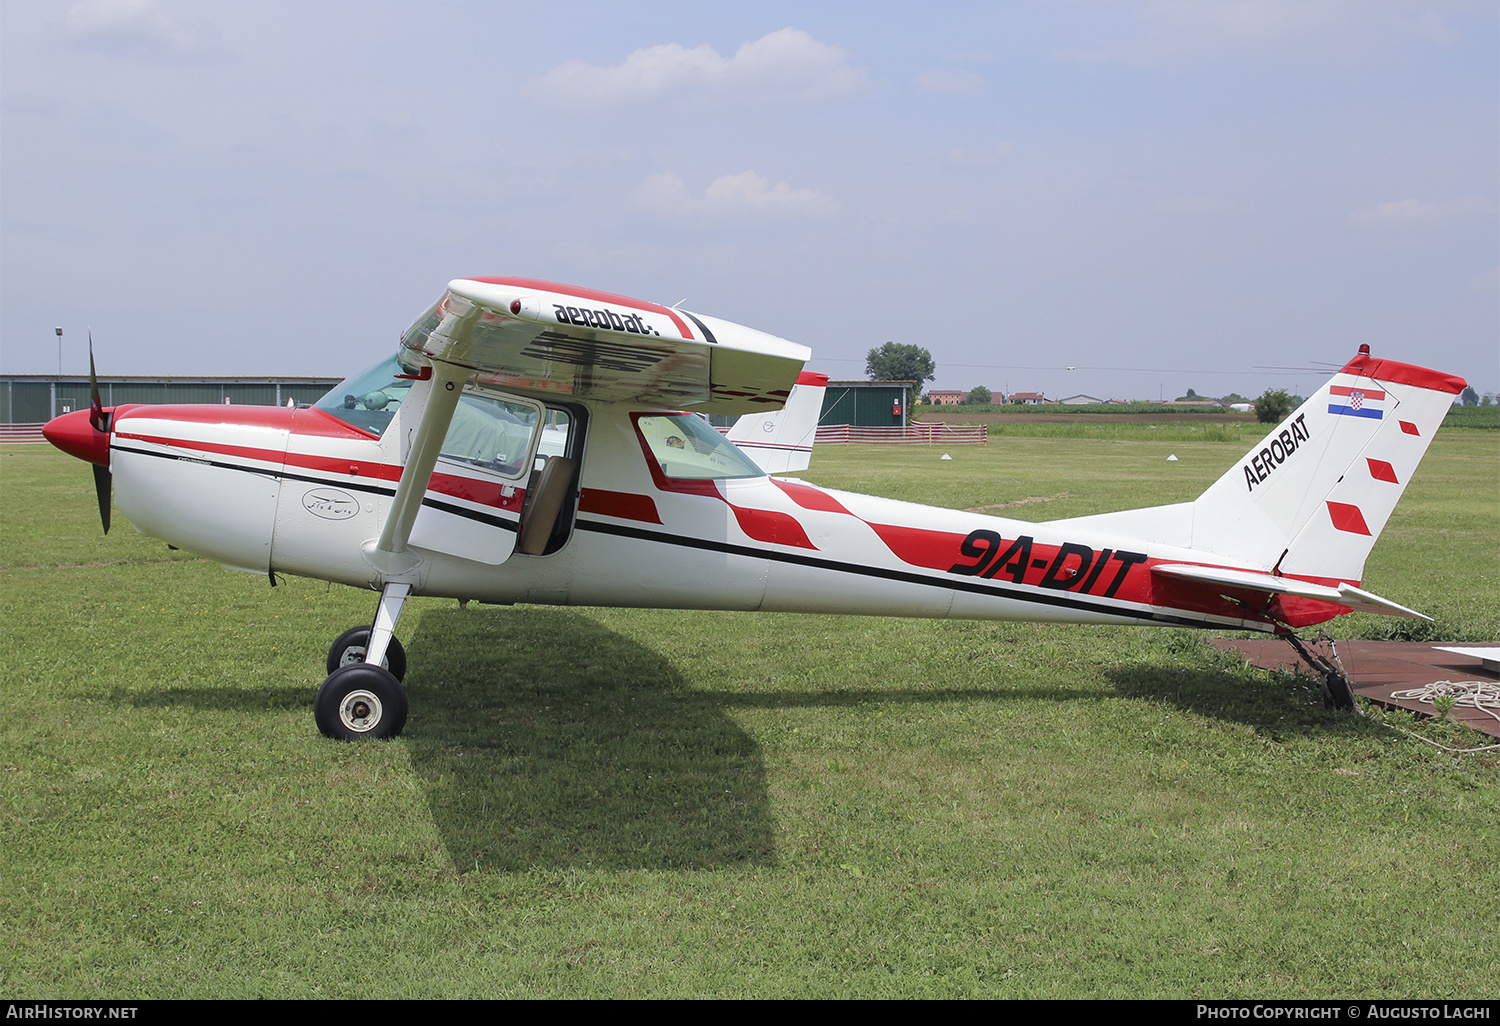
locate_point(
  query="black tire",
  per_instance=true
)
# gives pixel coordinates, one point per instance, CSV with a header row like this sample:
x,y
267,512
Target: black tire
x,y
359,701
1339,694
350,649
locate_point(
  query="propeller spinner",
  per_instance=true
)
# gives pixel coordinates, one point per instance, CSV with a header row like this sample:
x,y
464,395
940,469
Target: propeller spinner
x,y
85,434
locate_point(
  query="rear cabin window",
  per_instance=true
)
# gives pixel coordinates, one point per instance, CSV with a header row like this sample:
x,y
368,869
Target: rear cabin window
x,y
687,446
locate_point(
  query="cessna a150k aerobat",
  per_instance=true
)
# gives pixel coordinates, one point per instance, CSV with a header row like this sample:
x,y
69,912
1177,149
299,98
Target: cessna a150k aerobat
x,y
528,443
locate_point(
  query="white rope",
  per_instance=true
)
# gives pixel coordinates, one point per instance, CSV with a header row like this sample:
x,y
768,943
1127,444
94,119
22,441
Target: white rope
x,y
1471,694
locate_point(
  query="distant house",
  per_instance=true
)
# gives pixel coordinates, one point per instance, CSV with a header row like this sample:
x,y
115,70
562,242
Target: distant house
x,y
946,397
1028,398
1081,400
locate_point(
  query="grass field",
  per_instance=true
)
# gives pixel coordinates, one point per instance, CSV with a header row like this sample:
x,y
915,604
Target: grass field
x,y
629,803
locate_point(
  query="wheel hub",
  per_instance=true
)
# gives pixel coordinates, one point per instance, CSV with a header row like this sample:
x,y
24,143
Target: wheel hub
x,y
356,654
360,711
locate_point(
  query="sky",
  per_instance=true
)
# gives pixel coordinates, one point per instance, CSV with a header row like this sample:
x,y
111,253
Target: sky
x,y
1125,198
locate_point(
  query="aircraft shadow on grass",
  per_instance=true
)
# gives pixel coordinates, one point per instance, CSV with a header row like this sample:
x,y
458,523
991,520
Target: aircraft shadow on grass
x,y
1223,688
548,741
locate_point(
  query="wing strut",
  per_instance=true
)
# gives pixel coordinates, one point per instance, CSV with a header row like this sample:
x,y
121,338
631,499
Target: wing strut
x,y
389,554
399,567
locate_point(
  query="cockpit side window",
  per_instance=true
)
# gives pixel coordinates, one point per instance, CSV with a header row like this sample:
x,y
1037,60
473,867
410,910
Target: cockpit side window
x,y
495,433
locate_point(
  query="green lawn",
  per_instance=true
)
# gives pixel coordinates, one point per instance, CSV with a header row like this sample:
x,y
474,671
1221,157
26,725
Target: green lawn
x,y
631,803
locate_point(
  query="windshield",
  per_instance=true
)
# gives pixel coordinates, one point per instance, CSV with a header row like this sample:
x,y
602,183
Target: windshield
x,y
370,398
687,446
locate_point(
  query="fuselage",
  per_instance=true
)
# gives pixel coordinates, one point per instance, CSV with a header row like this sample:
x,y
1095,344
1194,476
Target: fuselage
x,y
302,491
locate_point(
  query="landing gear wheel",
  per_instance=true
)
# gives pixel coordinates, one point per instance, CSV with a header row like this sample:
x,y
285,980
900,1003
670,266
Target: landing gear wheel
x,y
1339,694
351,646
359,701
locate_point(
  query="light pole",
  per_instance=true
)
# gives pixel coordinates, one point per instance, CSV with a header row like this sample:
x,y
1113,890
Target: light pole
x,y
59,351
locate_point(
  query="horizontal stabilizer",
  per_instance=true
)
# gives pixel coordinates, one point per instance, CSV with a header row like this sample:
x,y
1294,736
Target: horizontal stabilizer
x,y
781,441
1344,594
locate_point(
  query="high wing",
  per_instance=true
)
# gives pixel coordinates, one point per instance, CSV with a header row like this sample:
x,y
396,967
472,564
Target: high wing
x,y
561,341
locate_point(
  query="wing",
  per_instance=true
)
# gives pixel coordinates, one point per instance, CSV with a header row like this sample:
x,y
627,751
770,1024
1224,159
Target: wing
x,y
560,341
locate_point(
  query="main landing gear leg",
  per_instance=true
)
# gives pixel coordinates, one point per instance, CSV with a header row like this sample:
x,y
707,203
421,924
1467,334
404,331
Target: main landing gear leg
x,y
364,698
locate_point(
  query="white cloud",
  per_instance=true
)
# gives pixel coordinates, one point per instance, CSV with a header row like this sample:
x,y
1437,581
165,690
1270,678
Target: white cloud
x,y
788,63
948,82
729,196
142,28
1419,213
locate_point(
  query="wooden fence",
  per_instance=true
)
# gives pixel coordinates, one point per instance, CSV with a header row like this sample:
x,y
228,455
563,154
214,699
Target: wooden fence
x,y
21,433
919,433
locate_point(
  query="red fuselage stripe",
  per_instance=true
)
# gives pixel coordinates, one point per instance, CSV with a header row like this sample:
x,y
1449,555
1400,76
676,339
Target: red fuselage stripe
x,y
483,493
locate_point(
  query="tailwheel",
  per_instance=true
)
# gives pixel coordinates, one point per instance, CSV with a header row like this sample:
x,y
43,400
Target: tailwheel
x,y
360,700
1338,693
351,646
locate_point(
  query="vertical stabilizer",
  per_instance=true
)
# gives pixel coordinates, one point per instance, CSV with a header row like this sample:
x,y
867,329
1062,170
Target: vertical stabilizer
x,y
1312,497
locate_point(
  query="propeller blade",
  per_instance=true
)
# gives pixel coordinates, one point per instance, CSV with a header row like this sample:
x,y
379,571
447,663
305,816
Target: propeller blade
x,y
96,407
103,481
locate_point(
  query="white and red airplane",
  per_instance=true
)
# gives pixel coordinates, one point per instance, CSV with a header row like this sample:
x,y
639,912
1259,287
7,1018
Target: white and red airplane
x,y
527,443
